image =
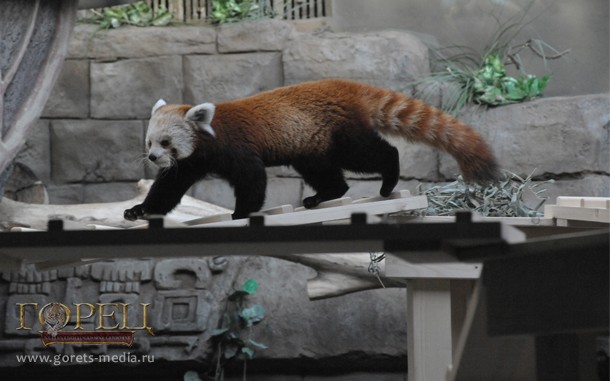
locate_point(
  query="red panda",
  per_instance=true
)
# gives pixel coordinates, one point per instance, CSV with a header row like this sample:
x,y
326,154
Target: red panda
x,y
320,128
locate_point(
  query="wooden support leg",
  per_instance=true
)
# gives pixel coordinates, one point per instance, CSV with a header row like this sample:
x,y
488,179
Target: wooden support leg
x,y
429,328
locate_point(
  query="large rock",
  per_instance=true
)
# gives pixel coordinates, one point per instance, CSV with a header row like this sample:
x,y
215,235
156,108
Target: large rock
x,y
70,95
253,36
138,42
388,59
560,135
97,151
225,77
128,89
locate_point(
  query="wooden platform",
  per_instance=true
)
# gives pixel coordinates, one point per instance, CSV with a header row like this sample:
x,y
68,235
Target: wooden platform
x,y
498,331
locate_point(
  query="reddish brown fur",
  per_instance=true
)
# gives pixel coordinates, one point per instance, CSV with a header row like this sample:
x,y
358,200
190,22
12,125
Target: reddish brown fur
x,y
299,120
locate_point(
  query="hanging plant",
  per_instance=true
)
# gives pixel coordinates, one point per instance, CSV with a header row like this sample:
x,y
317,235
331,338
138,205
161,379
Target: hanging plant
x,y
234,337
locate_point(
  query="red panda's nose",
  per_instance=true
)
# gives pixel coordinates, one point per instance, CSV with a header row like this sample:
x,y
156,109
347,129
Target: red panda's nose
x,y
152,157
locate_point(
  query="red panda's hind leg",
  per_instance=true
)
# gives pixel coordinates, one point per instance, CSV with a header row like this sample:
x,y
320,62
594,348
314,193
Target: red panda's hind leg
x,y
324,177
367,152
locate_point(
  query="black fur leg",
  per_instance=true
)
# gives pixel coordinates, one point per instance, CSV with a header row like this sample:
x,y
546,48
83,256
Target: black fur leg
x,y
250,185
166,191
367,152
248,200
390,172
134,213
325,178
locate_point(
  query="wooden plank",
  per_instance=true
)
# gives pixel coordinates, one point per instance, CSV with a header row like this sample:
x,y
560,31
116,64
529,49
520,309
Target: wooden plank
x,y
584,202
514,221
328,204
394,195
20,229
461,293
429,329
436,265
278,210
310,216
103,227
577,213
209,219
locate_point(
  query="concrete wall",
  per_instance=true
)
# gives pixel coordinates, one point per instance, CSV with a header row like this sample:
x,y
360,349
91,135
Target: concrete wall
x,y
89,145
581,26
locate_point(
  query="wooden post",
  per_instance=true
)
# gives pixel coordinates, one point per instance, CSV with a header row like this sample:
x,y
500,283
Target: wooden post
x,y
429,328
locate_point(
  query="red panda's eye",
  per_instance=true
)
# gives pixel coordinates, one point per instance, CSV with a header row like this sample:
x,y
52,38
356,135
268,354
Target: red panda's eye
x,y
164,143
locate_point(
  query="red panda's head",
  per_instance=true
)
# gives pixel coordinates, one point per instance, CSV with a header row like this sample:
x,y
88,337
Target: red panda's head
x,y
172,131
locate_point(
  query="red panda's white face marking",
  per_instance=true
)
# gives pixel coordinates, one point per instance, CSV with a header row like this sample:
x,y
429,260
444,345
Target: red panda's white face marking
x,y
171,133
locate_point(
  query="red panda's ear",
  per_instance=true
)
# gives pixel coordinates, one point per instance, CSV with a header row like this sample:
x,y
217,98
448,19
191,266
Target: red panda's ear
x,y
157,105
202,115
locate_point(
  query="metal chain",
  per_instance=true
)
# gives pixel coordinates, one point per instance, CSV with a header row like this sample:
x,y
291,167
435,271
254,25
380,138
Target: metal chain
x,y
374,268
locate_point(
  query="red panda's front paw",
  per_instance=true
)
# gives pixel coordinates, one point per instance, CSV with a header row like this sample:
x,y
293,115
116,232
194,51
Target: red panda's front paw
x,y
311,202
134,213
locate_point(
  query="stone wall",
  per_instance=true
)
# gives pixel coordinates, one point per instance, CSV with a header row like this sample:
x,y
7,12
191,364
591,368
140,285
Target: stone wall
x,y
88,146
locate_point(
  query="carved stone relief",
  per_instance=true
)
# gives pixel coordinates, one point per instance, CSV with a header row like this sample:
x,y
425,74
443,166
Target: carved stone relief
x,y
172,297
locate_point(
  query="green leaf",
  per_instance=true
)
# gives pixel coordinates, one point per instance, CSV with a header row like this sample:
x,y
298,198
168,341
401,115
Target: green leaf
x,y
249,352
257,344
253,315
230,350
250,286
162,19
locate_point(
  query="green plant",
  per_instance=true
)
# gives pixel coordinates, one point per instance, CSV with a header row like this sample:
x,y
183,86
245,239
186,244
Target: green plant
x,y
482,79
227,11
234,336
501,199
494,88
138,14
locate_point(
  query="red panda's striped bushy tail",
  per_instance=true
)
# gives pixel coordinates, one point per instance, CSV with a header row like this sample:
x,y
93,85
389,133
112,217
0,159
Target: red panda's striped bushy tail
x,y
398,115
